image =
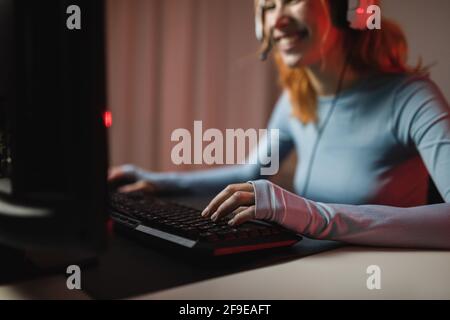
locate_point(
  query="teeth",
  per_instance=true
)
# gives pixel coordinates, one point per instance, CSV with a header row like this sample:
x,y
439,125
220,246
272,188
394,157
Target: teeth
x,y
289,39
295,36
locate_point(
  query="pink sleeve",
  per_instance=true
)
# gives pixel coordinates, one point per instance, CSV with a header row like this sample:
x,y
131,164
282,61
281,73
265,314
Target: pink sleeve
x,y
420,227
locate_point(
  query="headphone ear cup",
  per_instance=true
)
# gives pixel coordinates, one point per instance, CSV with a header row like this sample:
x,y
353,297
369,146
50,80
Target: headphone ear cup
x,y
350,14
338,10
357,13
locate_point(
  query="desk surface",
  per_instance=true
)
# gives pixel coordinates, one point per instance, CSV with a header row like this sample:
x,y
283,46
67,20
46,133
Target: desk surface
x,y
335,274
310,270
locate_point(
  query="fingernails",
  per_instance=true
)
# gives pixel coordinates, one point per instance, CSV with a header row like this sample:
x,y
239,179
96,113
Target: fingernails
x,y
214,217
205,212
231,222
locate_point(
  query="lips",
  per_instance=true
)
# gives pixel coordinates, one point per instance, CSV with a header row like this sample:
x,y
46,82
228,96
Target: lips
x,y
289,40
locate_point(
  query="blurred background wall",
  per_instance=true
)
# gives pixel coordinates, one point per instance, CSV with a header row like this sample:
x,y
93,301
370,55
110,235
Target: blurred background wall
x,y
175,61
427,27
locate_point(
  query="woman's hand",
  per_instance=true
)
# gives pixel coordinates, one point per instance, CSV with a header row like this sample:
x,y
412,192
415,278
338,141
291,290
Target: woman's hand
x,y
124,179
237,199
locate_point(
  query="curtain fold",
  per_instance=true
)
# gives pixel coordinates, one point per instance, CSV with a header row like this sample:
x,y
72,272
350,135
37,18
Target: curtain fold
x,y
171,62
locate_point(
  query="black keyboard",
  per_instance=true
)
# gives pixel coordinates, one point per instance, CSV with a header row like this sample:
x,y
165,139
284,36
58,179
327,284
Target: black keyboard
x,y
174,225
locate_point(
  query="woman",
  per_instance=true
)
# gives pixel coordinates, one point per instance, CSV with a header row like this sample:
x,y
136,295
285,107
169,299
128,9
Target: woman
x,y
368,131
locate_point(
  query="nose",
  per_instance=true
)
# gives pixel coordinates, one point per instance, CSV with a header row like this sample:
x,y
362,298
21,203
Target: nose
x,y
280,17
281,22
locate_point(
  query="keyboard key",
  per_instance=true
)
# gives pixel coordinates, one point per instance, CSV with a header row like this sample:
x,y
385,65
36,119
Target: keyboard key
x,y
208,236
182,221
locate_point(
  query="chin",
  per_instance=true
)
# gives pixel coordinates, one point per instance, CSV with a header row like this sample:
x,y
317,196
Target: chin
x,y
300,59
293,60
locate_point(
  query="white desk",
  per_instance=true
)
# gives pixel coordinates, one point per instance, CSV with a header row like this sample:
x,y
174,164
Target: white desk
x,y
337,274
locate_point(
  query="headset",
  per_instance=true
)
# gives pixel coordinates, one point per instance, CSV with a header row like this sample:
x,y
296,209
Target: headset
x,y
345,14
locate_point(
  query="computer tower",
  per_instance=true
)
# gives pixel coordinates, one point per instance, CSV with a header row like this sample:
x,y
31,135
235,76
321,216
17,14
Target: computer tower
x,y
52,101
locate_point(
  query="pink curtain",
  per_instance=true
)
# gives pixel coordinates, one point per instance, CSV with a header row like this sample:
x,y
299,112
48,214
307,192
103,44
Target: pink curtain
x,y
171,62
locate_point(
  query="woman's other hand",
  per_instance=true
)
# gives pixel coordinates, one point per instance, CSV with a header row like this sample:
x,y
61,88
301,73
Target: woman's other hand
x,y
125,180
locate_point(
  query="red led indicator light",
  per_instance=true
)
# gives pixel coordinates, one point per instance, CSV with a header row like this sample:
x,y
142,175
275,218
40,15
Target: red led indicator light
x,y
107,119
360,11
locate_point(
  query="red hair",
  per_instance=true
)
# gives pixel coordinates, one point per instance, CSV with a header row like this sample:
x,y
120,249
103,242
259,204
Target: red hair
x,y
373,51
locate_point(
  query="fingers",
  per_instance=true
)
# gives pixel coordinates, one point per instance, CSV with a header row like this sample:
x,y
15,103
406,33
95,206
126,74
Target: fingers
x,y
238,210
224,195
115,173
243,216
230,199
220,198
238,199
138,186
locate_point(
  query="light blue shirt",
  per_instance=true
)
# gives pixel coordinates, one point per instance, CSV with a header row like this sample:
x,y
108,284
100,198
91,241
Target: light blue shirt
x,y
377,145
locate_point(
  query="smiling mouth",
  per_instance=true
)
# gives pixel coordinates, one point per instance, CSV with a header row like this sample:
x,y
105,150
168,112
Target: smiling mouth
x,y
290,40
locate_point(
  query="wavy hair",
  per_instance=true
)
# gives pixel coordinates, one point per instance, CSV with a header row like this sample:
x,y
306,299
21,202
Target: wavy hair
x,y
373,51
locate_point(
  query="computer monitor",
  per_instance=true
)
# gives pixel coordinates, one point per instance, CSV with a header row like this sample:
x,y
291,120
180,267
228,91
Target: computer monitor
x,y
53,97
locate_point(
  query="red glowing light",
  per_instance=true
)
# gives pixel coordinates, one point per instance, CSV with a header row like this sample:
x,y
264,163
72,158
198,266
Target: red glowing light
x,y
110,226
107,119
360,11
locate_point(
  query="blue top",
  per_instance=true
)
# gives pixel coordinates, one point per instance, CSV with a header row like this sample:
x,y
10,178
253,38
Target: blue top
x,y
376,146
